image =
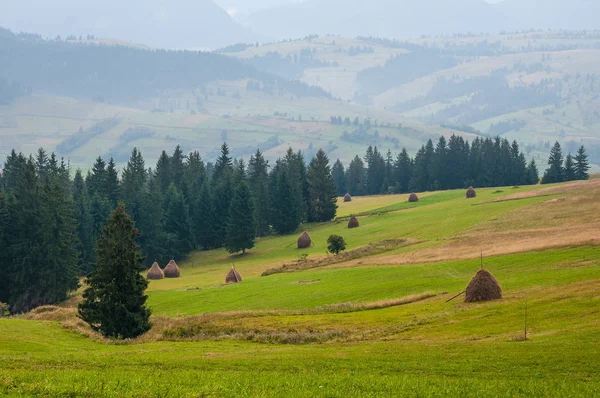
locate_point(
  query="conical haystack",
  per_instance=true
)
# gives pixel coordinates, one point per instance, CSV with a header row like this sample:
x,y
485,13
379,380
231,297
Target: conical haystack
x,y
155,273
483,287
471,193
413,198
347,198
304,241
353,223
233,276
172,270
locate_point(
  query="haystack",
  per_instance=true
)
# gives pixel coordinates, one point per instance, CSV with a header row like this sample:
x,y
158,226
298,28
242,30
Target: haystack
x,y
353,223
304,241
233,276
413,198
471,193
172,270
483,287
155,273
347,198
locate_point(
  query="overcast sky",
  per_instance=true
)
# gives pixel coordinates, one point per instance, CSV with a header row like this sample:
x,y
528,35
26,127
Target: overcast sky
x,y
245,6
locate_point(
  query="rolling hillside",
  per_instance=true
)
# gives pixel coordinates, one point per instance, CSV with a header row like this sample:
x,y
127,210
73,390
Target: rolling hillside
x,y
534,87
353,316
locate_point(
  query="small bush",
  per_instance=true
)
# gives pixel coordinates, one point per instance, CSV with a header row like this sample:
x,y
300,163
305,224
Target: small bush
x,y
336,244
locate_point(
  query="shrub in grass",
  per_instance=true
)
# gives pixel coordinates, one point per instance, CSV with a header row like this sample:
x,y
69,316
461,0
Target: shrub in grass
x,y
336,244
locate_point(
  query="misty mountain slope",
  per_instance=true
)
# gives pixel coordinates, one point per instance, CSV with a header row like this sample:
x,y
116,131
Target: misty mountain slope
x,y
553,14
385,18
177,24
118,73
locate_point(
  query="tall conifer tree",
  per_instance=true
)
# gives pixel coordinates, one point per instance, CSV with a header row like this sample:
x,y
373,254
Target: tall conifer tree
x,y
114,302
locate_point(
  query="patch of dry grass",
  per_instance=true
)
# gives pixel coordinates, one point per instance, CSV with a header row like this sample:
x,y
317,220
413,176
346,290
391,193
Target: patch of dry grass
x,y
358,253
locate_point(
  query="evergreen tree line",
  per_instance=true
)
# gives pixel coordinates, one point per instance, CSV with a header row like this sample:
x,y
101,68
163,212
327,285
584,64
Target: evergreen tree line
x,y
50,222
573,168
449,164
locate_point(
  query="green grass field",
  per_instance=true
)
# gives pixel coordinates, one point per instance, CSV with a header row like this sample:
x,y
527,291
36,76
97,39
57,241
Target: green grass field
x,y
378,328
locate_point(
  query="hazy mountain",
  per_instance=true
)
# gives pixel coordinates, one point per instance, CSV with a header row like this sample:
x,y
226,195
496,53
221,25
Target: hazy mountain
x,y
158,23
553,14
386,18
239,7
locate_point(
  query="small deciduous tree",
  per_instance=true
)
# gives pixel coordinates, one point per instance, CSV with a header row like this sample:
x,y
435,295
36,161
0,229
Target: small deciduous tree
x,y
114,302
336,244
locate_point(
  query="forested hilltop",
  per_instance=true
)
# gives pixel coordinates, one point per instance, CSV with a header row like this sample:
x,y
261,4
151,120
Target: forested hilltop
x,y
50,222
117,72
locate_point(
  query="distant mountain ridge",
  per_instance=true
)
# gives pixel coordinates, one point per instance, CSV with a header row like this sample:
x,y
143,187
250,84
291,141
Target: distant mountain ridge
x,y
174,24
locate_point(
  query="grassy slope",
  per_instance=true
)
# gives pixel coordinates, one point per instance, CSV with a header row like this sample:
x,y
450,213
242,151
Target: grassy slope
x,y
421,349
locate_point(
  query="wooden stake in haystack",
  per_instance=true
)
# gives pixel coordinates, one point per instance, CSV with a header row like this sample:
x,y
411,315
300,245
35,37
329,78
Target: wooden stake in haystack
x,y
233,276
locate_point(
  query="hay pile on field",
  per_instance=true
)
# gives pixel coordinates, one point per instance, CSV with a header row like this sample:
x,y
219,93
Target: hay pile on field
x,y
155,273
304,241
172,270
483,287
233,276
353,223
347,198
413,198
471,193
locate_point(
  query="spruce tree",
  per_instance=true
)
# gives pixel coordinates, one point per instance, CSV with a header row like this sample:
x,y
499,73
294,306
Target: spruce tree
x,y
582,166
4,259
154,239
355,177
532,173
83,218
223,165
402,171
111,187
339,177
285,214
96,179
204,218
163,172
555,172
114,302
258,180
569,172
241,227
323,195
178,223
133,185
177,167
25,242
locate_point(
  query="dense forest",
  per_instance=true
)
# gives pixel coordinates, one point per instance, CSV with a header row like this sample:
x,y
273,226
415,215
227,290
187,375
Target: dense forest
x,y
120,73
50,221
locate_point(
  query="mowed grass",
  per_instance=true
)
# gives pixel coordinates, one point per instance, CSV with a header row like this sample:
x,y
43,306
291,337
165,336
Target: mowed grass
x,y
273,336
438,216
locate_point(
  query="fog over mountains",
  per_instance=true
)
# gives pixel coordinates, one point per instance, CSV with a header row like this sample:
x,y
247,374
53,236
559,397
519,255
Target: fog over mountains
x,y
184,24
178,24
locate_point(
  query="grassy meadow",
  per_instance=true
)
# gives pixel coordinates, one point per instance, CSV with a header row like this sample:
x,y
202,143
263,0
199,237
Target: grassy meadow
x,y
374,324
